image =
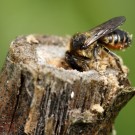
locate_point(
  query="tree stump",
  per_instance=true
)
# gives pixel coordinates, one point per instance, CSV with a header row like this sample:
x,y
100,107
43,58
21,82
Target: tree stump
x,y
41,95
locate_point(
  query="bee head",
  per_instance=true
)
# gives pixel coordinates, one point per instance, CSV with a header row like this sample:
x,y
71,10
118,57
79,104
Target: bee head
x,y
77,41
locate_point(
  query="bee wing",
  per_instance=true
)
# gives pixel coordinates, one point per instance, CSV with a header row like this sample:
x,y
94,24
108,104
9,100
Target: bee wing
x,y
104,29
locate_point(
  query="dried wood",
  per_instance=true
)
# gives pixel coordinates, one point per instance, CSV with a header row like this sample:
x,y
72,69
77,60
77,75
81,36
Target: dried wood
x,y
41,95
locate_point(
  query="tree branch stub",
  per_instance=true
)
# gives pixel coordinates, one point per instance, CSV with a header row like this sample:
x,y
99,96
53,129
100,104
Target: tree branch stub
x,y
41,94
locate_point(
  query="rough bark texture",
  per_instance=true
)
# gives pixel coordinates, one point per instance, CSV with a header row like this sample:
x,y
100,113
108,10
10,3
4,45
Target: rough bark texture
x,y
41,95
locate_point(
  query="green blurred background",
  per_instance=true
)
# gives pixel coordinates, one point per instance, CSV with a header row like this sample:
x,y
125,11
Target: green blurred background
x,y
59,17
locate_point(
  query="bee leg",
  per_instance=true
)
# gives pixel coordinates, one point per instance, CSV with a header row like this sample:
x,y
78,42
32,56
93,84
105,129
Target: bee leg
x,y
76,62
95,53
115,56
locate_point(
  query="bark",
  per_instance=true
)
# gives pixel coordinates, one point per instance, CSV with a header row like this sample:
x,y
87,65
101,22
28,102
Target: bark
x,y
41,95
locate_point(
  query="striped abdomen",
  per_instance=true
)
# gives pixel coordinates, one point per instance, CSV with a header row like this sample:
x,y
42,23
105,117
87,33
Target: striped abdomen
x,y
117,39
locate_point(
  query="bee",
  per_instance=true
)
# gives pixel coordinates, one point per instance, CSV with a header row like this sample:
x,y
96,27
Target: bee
x,y
88,45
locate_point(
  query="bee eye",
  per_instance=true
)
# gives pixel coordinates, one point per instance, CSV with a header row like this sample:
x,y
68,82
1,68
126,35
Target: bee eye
x,y
78,41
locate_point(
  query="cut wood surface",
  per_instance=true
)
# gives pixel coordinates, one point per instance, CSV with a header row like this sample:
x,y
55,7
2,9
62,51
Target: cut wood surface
x,y
40,94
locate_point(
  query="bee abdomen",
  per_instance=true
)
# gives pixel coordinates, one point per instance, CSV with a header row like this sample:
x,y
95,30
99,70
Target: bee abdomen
x,y
118,39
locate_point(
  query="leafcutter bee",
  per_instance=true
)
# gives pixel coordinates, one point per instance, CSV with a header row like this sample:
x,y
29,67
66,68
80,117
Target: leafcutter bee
x,y
91,44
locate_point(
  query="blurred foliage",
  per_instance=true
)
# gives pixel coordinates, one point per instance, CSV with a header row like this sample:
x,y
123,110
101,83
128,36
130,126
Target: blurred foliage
x,y
60,17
